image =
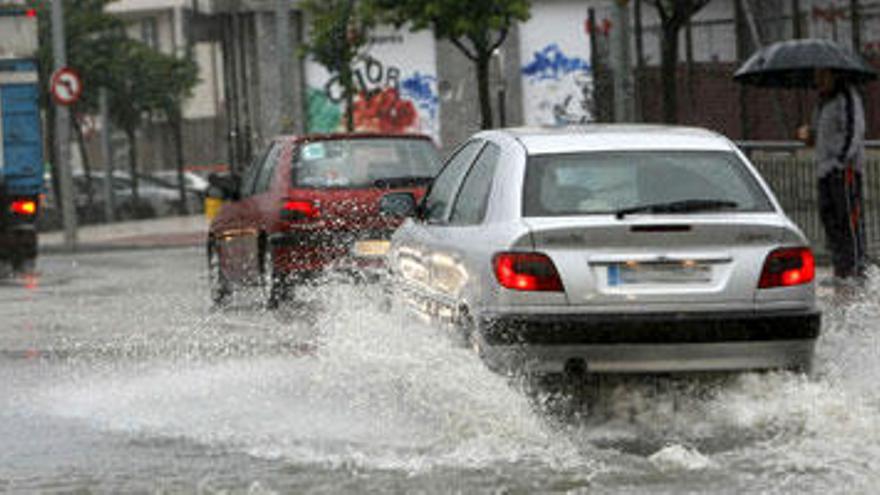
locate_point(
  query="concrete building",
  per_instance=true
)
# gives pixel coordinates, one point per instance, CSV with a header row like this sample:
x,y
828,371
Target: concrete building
x,y
169,26
411,81
549,70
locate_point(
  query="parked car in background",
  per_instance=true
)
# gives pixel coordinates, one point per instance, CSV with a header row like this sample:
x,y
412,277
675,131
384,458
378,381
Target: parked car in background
x,y
192,182
309,204
155,199
609,249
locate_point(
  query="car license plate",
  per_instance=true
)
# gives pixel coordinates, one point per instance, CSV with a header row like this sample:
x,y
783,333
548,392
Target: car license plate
x,y
371,248
658,273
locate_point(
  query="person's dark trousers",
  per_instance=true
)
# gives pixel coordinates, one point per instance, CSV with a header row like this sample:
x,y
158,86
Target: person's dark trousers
x,y
840,207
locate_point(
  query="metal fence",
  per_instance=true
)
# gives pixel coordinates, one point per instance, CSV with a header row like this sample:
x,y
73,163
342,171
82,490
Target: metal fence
x,y
792,176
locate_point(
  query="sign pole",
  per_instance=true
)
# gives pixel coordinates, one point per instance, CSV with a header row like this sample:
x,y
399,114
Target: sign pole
x,y
62,133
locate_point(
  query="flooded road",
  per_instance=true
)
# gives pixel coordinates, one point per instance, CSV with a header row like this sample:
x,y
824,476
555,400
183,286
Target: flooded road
x,y
117,376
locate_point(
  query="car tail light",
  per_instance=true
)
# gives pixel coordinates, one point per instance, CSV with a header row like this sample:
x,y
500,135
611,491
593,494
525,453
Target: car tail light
x,y
785,267
295,209
24,207
527,272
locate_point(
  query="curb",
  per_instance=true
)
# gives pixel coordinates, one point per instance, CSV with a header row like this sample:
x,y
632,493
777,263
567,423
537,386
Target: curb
x,y
173,240
107,248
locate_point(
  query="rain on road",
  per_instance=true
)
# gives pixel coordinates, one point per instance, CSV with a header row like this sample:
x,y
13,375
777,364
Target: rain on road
x,y
117,376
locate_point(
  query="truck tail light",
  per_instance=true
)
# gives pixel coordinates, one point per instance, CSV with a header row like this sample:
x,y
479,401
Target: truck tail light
x,y
786,267
294,209
527,272
24,207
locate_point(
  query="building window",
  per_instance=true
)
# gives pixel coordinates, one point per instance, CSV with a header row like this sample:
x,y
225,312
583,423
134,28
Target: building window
x,y
150,32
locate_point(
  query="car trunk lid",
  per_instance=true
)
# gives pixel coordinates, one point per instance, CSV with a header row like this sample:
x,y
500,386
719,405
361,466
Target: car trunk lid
x,y
641,261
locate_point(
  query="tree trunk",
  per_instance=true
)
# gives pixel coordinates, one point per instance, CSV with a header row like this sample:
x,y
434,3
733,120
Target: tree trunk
x,y
856,23
131,134
669,63
349,99
640,61
177,126
482,64
87,164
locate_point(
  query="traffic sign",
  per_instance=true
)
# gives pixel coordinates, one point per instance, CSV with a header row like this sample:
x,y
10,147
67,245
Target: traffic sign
x,y
66,86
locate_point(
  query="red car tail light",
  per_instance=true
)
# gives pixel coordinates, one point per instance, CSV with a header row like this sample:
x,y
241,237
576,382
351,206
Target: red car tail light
x,y
527,272
294,209
24,207
785,267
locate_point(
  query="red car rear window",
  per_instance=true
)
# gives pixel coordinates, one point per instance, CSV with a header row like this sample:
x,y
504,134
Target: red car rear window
x,y
355,163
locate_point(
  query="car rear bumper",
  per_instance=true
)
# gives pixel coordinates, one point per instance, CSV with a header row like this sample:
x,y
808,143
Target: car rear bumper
x,y
650,343
316,252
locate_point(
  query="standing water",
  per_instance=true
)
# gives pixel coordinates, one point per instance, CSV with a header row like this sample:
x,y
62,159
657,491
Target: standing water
x,y
153,391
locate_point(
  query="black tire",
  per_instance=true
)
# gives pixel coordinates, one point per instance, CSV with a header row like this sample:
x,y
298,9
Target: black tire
x,y
25,266
218,285
272,286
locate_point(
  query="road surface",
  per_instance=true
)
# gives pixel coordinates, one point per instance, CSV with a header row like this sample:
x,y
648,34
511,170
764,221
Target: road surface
x,y
117,376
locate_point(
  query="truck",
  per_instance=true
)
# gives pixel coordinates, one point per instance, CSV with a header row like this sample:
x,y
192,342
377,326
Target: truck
x,y
21,142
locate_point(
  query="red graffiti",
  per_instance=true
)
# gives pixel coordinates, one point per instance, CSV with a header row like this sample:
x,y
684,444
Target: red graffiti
x,y
384,111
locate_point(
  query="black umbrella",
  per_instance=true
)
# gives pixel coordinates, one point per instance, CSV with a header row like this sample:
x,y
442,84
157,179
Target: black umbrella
x,y
791,64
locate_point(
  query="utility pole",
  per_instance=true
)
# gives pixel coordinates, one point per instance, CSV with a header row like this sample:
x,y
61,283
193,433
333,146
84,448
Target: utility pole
x,y
107,151
623,100
62,133
282,43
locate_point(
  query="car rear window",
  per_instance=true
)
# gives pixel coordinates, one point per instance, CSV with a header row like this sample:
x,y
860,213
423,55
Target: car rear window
x,y
606,182
352,163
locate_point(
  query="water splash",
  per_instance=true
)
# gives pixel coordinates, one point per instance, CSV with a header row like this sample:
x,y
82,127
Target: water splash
x,y
379,392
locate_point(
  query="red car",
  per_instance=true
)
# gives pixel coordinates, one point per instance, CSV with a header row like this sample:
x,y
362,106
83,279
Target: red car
x,y
309,204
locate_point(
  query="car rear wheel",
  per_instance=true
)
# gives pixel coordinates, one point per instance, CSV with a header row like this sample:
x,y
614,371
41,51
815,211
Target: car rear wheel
x,y
218,285
271,283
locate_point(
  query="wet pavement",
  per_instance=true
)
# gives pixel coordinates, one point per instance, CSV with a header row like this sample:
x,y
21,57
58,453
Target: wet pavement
x,y
116,375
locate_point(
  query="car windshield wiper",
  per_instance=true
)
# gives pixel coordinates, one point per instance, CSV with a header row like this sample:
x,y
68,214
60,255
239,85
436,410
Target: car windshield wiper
x,y
411,180
681,206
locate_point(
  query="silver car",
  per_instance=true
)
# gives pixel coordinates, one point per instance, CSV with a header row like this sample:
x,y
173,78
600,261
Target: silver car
x,y
609,249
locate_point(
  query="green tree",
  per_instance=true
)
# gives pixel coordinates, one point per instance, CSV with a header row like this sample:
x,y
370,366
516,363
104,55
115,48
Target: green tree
x,y
674,15
337,33
173,80
141,80
145,83
91,36
477,28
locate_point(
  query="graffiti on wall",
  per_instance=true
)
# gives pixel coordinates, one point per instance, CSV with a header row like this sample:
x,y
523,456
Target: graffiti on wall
x,y
387,100
564,83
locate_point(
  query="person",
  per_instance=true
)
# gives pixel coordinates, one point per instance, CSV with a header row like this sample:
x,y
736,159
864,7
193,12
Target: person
x,y
838,133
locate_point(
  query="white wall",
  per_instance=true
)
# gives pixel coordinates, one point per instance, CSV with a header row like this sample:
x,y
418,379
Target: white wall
x,y
127,6
399,74
208,93
555,52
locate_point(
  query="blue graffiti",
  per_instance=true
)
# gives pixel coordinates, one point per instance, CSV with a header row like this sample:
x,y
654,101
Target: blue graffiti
x,y
420,88
551,63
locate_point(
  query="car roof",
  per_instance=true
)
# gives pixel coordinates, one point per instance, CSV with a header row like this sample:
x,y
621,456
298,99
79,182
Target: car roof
x,y
617,137
331,136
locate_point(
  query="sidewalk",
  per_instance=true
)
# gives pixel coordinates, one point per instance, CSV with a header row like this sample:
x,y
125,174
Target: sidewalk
x,y
139,234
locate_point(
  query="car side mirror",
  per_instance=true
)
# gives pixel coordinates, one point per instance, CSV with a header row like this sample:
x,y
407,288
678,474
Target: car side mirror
x,y
225,186
398,205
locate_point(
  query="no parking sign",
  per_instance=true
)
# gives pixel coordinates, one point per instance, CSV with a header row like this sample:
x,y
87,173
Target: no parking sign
x,y
66,86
